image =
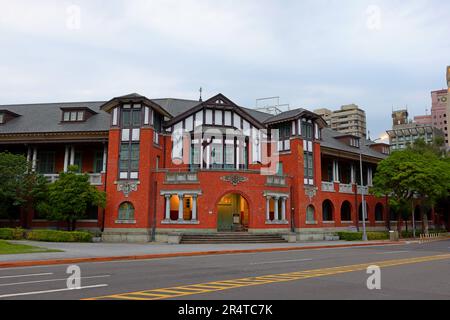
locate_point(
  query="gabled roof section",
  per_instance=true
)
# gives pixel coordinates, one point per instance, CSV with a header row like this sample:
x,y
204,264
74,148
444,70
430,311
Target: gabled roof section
x,y
219,102
134,98
10,113
92,112
292,115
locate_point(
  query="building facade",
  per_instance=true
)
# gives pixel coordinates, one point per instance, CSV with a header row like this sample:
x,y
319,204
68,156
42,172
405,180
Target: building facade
x,y
405,132
440,112
171,166
350,119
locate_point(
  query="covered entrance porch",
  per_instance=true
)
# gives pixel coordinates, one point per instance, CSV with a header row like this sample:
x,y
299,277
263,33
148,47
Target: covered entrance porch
x,y
233,214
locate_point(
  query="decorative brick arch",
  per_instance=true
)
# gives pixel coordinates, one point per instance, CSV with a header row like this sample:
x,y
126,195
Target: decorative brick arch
x,y
238,192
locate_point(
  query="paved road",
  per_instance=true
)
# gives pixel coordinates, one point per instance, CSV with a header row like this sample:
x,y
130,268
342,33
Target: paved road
x,y
415,271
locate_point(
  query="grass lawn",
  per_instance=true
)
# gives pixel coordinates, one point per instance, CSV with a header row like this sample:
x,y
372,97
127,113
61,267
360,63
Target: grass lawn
x,y
11,248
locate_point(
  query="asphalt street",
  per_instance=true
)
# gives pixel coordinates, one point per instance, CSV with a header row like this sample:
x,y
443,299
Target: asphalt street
x,y
414,271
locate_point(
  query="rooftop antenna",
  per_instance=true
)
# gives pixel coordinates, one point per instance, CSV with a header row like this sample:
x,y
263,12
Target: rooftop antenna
x,y
201,92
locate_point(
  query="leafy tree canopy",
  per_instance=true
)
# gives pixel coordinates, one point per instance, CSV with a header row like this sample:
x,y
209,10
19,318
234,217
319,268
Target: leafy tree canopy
x,y
421,171
70,196
19,186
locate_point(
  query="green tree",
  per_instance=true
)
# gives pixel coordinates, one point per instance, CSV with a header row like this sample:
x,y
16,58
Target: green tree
x,y
20,187
419,173
70,196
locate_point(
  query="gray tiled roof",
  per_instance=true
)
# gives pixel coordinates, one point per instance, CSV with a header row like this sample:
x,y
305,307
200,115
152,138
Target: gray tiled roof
x,y
329,140
176,106
46,118
285,115
258,115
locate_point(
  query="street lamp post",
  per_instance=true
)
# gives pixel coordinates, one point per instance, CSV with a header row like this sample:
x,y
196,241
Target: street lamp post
x,y
364,206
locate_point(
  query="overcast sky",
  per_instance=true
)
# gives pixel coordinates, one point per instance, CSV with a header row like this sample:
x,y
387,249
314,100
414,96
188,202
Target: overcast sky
x,y
321,53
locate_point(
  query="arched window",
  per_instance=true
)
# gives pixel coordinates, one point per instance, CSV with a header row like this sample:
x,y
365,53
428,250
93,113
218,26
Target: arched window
x,y
346,211
379,212
126,211
310,214
361,212
327,210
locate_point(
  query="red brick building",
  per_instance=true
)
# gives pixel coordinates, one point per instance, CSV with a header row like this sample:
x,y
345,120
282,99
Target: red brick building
x,y
172,166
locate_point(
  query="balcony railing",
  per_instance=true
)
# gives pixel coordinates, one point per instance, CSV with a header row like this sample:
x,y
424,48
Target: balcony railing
x,y
328,187
363,189
94,178
346,188
181,177
278,181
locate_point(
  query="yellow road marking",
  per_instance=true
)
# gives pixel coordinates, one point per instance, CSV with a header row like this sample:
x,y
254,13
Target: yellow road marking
x,y
216,286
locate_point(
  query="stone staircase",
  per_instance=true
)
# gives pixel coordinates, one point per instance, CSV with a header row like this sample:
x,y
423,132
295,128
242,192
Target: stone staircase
x,y
231,238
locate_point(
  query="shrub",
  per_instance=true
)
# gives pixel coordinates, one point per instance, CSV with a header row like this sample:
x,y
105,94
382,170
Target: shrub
x,y
378,236
12,234
350,236
357,236
58,236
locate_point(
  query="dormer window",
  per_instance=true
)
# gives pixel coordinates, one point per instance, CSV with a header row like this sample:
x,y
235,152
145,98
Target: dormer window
x,y
6,116
74,116
354,142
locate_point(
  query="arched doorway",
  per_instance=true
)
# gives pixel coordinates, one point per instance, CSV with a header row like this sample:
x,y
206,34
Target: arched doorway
x,y
361,212
327,211
232,214
346,211
379,210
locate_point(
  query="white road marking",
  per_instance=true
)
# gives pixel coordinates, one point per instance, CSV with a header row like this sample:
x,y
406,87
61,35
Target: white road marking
x,y
393,252
281,261
50,280
26,275
49,291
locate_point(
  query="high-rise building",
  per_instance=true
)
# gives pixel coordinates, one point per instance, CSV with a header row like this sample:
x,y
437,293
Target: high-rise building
x,y
350,119
440,111
405,132
325,114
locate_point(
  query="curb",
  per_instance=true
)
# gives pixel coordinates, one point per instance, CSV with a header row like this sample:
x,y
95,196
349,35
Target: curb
x,y
16,264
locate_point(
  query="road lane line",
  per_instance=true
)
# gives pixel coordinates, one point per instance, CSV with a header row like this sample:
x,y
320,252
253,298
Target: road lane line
x,y
49,291
280,278
279,261
49,280
26,275
393,252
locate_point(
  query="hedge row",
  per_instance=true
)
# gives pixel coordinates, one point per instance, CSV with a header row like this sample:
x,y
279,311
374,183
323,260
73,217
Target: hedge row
x,y
357,236
45,235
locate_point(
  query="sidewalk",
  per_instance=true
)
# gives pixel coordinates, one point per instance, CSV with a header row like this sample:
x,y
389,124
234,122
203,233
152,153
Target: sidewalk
x,y
92,252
